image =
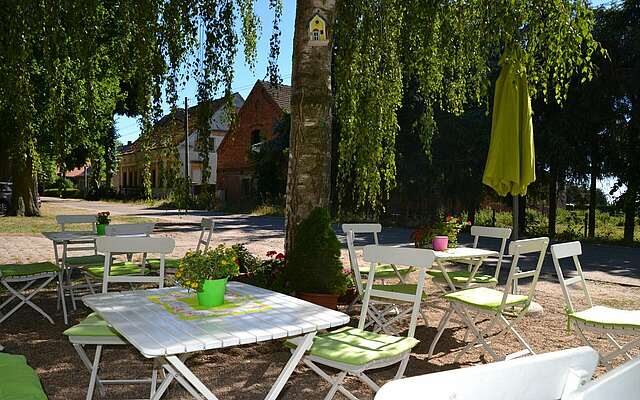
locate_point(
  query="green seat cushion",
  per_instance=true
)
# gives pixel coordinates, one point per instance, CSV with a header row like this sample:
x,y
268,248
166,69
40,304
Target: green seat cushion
x,y
85,260
354,346
606,317
118,269
93,325
27,269
406,288
385,271
485,298
460,278
18,381
154,263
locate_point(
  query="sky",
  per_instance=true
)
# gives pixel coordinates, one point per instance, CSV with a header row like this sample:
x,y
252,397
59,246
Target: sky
x,y
244,78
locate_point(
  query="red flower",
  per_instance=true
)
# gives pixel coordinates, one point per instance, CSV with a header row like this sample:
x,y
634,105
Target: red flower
x,y
280,256
271,253
449,218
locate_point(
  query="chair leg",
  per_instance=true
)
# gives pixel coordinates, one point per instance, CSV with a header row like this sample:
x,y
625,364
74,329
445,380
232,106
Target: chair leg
x,y
26,300
403,367
94,372
61,295
313,367
87,363
441,327
337,381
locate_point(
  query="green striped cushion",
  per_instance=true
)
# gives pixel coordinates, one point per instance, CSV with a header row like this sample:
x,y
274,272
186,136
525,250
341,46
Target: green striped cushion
x,y
92,326
85,260
27,269
485,298
118,269
606,317
385,271
462,277
18,381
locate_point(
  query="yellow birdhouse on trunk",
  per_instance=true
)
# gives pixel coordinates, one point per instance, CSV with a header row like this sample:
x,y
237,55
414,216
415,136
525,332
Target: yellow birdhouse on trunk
x,y
318,30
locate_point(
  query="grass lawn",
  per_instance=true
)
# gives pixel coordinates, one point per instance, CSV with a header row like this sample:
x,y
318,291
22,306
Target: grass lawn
x,y
47,221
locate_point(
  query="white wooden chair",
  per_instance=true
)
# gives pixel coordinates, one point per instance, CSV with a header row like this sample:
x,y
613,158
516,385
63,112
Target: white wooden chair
x,y
497,304
620,383
383,311
461,278
607,321
549,376
354,351
93,272
382,271
93,330
74,255
206,233
19,279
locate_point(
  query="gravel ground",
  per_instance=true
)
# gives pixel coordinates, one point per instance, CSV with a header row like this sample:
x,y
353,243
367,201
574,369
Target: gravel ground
x,y
247,372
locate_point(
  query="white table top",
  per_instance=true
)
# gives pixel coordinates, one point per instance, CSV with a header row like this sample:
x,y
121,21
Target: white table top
x,y
61,236
154,331
457,253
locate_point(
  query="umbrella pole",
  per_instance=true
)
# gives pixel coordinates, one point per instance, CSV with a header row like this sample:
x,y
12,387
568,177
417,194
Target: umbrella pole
x,y
515,215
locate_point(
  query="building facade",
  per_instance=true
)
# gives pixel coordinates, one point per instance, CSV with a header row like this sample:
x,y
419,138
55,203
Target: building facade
x,y
262,110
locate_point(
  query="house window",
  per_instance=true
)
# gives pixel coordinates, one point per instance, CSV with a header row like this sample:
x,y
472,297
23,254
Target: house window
x,y
256,137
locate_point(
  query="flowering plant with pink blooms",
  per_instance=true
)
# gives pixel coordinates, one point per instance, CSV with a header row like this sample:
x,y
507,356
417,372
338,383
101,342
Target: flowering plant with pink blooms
x,y
449,226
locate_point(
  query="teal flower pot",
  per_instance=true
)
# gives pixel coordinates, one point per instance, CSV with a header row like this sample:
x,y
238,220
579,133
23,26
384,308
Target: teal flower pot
x,y
212,292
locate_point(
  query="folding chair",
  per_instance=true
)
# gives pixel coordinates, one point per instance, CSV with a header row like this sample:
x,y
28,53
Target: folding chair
x,y
460,279
549,376
26,276
597,319
93,272
497,304
354,351
382,271
93,330
619,384
380,308
69,262
206,232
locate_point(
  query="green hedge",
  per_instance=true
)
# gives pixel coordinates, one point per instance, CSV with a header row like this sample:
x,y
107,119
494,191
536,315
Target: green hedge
x,y
66,193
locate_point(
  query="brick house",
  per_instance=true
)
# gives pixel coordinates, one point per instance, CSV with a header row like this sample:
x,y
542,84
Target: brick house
x,y
128,179
264,107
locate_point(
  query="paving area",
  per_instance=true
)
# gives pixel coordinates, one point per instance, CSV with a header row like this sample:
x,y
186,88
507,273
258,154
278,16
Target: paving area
x,y
606,263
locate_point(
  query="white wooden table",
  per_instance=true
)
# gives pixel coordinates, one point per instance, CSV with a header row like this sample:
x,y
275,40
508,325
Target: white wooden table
x,y
160,334
473,256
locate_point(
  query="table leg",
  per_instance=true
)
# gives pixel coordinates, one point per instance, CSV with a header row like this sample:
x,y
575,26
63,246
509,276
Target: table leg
x,y
180,372
291,365
446,275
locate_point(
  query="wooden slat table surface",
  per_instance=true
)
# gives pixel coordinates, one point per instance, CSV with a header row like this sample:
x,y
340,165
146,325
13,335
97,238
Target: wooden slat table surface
x,y
155,332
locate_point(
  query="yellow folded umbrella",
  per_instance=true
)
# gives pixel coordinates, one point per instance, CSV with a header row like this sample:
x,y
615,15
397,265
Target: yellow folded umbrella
x,y
510,164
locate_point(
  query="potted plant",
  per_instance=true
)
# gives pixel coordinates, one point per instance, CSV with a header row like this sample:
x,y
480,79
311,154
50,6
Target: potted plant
x,y
314,270
102,220
207,273
441,234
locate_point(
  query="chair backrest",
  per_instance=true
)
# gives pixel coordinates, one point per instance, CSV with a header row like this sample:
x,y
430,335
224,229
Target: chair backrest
x,y
110,245
517,249
549,376
491,232
64,220
570,250
350,230
129,229
620,383
206,231
422,259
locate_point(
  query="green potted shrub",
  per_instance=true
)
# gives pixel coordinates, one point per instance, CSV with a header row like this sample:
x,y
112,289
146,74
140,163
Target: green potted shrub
x,y
102,220
207,273
446,228
314,270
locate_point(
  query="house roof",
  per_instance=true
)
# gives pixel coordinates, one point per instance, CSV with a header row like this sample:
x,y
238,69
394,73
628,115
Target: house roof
x,y
76,172
178,118
281,94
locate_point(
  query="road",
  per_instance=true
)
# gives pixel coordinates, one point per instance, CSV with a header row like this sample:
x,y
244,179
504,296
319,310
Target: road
x,y
601,262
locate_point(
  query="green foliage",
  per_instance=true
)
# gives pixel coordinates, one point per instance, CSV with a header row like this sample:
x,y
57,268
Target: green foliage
x,y
196,267
448,48
314,263
68,193
246,260
271,161
269,273
449,226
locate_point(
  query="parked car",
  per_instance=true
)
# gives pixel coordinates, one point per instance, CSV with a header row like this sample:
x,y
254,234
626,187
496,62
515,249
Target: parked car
x,y
6,191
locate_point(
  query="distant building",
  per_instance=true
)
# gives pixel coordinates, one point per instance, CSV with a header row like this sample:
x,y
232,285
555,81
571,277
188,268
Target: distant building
x,y
263,108
129,179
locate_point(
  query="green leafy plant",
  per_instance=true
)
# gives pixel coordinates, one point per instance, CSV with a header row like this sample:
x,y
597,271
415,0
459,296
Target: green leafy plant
x,y
103,218
197,267
449,226
247,262
269,273
314,264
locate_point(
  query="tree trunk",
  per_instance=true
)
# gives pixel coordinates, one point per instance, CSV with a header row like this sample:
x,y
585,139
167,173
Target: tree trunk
x,y
23,198
309,173
630,212
553,202
592,200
